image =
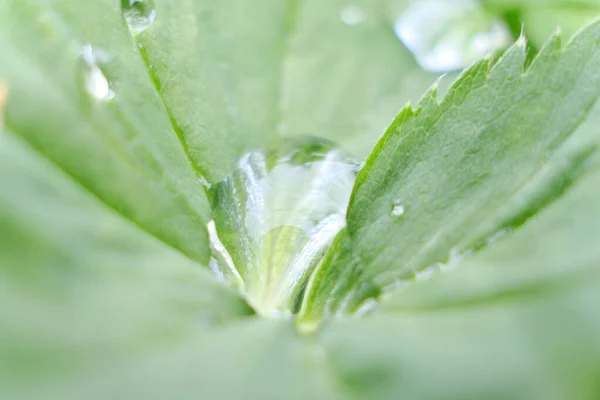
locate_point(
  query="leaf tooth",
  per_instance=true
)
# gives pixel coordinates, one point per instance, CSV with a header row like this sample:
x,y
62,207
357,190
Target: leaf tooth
x,y
407,113
551,49
392,133
512,62
430,98
471,78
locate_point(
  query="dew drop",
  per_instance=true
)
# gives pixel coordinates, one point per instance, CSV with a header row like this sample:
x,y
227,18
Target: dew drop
x,y
207,185
278,212
397,209
94,79
139,14
352,15
447,36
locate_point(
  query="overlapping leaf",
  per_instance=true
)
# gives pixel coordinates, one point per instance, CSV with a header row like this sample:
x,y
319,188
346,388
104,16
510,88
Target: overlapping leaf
x,y
503,143
242,75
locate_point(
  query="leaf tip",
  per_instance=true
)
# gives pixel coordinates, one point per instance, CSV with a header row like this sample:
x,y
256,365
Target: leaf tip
x,y
522,40
430,98
513,60
406,113
552,47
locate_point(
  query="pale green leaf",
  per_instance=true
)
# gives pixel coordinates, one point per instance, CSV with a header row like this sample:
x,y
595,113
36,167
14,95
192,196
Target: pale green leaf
x,y
239,75
448,177
103,239
246,359
519,320
346,75
84,291
123,150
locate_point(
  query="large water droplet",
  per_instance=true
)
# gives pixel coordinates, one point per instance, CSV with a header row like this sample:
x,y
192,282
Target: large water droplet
x,y
450,35
95,81
352,15
277,214
139,14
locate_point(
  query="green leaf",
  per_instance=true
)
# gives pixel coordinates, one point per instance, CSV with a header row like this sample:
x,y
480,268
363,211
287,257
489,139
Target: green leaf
x,y
250,359
449,177
218,75
517,321
345,74
124,150
552,252
236,76
108,130
83,290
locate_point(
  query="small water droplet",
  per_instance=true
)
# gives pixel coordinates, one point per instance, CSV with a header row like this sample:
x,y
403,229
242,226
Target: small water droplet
x,y
139,14
205,182
95,80
446,36
398,209
352,15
